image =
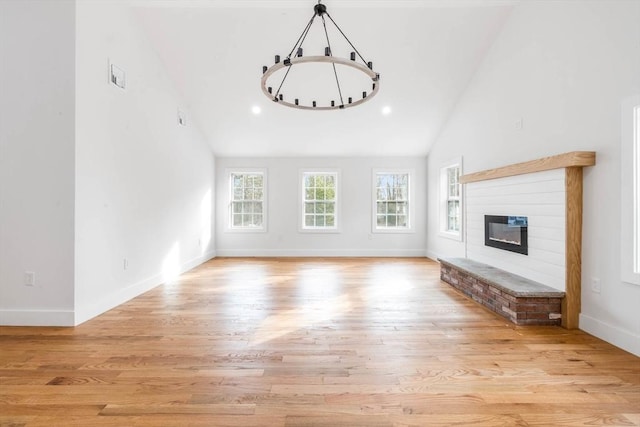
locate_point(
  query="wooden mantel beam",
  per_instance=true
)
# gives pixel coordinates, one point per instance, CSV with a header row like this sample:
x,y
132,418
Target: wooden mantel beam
x,y
566,160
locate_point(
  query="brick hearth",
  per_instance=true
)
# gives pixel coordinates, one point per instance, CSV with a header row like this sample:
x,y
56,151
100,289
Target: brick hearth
x,y
522,301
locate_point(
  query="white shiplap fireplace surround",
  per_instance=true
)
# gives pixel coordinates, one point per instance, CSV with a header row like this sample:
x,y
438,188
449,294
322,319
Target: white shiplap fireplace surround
x,y
549,192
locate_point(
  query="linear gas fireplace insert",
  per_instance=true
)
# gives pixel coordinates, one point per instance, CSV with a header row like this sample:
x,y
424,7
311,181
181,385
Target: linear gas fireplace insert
x,y
506,232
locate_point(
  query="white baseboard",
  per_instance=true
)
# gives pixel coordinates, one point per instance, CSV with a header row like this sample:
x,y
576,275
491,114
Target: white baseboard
x,y
82,314
113,300
323,253
432,255
620,338
121,296
36,317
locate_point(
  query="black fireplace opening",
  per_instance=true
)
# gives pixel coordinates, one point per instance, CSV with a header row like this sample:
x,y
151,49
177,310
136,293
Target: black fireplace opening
x,y
506,232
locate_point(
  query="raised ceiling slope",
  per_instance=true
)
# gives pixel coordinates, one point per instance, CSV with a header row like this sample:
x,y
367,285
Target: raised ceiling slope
x,y
425,51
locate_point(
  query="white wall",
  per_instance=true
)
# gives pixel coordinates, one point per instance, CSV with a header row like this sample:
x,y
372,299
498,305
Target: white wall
x,y
563,67
283,237
36,161
144,185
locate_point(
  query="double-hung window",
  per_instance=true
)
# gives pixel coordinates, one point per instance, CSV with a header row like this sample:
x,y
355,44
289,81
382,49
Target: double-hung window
x,y
451,200
391,201
320,201
247,200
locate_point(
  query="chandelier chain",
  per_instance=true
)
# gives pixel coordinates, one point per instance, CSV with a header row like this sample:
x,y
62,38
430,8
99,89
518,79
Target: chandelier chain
x,y
299,43
302,36
346,38
335,72
275,97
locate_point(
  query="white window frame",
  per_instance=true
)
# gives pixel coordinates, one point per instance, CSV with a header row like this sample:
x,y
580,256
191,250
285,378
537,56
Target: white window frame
x,y
336,228
630,191
410,201
443,198
247,171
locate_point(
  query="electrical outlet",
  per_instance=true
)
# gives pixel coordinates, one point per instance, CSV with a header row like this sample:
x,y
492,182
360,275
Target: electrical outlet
x,y
116,76
595,285
182,118
125,264
29,278
519,124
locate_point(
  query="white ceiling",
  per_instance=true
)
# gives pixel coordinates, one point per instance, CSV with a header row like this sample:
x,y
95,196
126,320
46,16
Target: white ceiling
x,y
425,51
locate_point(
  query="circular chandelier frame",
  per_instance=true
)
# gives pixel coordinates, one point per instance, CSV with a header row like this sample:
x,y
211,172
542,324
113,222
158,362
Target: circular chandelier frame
x,y
289,62
320,59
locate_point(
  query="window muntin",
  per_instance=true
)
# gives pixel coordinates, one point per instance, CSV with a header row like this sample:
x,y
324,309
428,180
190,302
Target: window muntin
x,y
453,199
247,200
392,200
319,200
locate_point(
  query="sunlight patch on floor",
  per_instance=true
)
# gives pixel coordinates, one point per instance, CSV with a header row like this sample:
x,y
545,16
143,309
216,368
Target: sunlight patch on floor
x,y
287,321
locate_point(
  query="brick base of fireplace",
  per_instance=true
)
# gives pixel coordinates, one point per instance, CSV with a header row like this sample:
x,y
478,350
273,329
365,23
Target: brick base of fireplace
x,y
520,300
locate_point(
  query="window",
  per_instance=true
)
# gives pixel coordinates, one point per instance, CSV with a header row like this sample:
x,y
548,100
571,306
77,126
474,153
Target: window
x,y
630,209
451,200
320,201
247,200
391,201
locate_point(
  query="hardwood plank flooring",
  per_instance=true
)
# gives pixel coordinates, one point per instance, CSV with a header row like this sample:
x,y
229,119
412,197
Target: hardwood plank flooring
x,y
312,342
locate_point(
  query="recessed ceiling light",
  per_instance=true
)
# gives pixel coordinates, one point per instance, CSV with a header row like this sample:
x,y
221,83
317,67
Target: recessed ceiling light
x,y
386,110
256,110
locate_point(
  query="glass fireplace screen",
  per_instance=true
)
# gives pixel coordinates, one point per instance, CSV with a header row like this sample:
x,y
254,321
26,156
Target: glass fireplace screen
x,y
507,232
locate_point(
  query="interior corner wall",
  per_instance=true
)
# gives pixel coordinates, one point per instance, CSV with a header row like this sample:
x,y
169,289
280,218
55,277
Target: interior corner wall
x,y
37,96
283,237
553,82
144,183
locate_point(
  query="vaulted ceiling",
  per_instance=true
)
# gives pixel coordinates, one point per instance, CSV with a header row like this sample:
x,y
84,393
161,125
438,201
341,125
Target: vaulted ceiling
x,y
425,51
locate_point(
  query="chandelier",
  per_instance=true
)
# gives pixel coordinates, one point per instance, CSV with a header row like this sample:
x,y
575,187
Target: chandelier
x,y
344,99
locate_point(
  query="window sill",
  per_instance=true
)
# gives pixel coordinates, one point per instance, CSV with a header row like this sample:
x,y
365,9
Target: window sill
x,y
320,230
390,230
631,278
246,230
451,235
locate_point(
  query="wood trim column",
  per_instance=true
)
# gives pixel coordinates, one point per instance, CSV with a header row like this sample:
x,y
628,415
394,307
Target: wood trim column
x,y
573,241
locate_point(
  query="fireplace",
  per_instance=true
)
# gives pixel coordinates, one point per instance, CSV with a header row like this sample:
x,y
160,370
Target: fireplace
x,y
506,232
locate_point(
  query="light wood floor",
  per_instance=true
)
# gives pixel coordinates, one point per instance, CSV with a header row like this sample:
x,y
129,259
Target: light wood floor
x,y
300,342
